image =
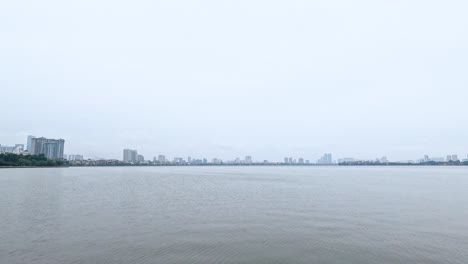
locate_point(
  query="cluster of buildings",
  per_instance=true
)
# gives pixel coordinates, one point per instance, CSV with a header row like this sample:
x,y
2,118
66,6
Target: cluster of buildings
x,y
382,160
291,161
326,159
16,149
131,156
54,149
426,160
448,159
51,148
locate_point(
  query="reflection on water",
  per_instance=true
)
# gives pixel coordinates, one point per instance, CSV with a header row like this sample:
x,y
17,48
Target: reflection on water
x,y
234,215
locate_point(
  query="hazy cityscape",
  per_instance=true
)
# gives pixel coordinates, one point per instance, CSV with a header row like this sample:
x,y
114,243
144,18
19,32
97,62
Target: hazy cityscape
x,y
54,149
234,132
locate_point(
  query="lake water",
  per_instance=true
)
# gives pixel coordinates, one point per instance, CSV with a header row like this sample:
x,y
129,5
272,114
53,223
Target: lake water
x,y
234,215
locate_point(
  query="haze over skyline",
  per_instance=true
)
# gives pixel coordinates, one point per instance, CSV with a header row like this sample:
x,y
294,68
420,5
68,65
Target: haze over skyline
x,y
228,79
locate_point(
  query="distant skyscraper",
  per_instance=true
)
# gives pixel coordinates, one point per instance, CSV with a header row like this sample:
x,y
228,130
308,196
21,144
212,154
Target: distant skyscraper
x,y
51,148
248,159
301,161
29,144
189,160
449,158
290,160
286,160
162,158
454,157
326,159
130,156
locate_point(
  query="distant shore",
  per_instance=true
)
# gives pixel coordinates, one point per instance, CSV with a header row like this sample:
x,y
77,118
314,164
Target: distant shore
x,y
232,165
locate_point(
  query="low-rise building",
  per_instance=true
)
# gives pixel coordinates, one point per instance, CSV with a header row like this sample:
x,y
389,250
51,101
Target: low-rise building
x,y
16,149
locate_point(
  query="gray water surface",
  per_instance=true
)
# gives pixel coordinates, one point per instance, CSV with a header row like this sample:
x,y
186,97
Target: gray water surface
x,y
234,215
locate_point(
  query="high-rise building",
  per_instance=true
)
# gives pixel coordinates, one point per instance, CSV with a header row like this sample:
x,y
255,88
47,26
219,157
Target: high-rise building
x,y
140,158
130,156
189,160
290,160
326,159
51,148
301,161
285,160
248,159
162,158
454,157
29,143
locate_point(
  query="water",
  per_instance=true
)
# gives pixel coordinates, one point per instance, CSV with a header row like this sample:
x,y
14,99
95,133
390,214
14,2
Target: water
x,y
234,215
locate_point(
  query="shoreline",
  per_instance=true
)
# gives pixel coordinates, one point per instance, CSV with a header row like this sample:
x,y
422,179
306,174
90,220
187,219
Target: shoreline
x,y
228,165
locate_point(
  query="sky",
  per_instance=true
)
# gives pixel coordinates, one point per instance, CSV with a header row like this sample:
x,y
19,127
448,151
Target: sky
x,y
227,79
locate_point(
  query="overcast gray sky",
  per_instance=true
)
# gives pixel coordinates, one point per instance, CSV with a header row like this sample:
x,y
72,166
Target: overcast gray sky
x,y
223,79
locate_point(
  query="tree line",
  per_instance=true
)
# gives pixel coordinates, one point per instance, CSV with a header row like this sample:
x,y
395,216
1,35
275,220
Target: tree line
x,y
19,160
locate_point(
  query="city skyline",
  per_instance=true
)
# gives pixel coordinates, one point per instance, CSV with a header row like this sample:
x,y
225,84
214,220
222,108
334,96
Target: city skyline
x,y
225,151
53,148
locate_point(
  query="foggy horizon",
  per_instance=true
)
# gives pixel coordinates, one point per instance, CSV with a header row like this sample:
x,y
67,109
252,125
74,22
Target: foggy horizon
x,y
268,79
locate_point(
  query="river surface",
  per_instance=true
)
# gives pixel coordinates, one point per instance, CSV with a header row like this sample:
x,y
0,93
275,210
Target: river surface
x,y
234,215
